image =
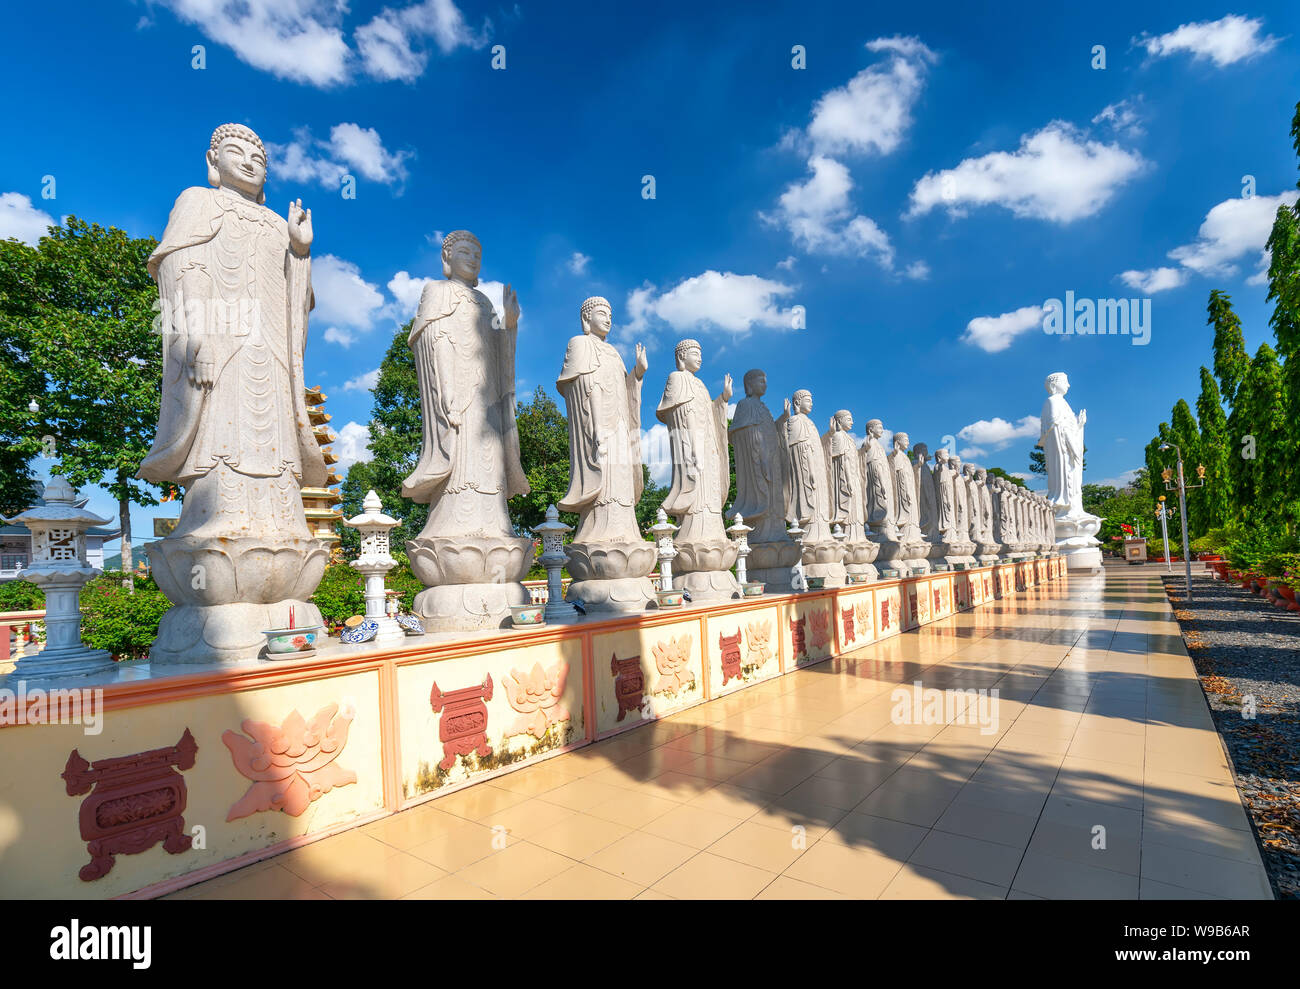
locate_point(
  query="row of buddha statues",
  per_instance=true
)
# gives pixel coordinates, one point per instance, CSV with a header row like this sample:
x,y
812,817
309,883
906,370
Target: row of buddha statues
x,y
234,282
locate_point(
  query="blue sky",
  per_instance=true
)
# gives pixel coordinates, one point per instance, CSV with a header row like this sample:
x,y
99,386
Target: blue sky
x,y
921,188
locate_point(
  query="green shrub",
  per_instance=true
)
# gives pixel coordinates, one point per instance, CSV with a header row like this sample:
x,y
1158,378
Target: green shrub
x,y
121,620
21,595
1253,549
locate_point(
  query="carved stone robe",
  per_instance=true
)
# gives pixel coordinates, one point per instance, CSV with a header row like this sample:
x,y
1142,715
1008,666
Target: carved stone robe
x,y
878,484
697,430
809,500
760,470
603,401
845,471
945,502
469,463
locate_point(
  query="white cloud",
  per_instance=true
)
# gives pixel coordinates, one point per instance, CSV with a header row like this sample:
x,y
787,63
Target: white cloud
x,y
578,263
788,263
1231,230
390,43
406,290
1229,39
300,40
1152,280
1122,117
995,333
343,297
1119,483
351,446
1057,174
999,433
870,113
917,270
303,40
722,300
363,382
350,148
21,220
342,337
821,220
971,452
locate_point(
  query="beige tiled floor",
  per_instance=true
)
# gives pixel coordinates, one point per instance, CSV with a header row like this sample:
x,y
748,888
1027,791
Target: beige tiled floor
x,y
1101,777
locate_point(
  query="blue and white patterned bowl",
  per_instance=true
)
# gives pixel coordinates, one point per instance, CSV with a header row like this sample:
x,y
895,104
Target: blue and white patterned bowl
x,y
287,641
410,624
364,632
527,615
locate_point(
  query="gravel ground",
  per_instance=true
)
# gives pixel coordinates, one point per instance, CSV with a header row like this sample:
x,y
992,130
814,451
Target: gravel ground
x,y
1245,647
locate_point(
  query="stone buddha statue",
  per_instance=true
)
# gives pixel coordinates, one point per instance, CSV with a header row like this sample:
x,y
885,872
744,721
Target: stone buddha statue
x,y
907,505
809,501
701,479
608,560
234,287
847,506
879,501
467,556
761,486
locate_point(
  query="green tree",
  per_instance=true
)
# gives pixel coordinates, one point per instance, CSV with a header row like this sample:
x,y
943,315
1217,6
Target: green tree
x,y
21,382
1186,433
1216,497
1094,495
544,454
1284,293
1230,357
396,432
92,336
999,472
1258,416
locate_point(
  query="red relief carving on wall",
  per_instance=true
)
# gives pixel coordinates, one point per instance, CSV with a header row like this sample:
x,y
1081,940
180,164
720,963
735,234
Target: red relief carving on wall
x,y
671,659
137,801
847,615
911,606
819,627
629,683
800,647
962,585
730,646
884,615
758,643
291,765
536,698
462,729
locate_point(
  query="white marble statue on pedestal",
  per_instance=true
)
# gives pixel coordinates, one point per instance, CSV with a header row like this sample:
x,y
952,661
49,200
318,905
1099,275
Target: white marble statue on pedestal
x,y
881,504
848,509
761,486
907,510
234,287
987,544
809,501
957,550
1062,443
467,556
608,560
697,433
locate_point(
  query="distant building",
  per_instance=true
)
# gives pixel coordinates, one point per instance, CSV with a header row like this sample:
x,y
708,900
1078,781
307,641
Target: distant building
x,y
16,542
318,503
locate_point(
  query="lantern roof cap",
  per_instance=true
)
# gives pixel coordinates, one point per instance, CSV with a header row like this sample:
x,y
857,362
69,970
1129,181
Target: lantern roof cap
x,y
59,505
372,515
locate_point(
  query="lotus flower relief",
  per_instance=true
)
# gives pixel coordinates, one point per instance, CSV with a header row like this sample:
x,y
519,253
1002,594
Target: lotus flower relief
x,y
863,613
291,765
758,643
535,696
671,659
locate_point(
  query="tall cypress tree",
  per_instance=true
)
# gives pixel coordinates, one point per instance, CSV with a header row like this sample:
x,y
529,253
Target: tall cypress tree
x,y
1216,496
1186,433
1258,417
1230,358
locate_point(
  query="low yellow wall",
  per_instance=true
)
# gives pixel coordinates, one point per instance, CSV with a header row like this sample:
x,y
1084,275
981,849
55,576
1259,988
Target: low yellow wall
x,y
196,774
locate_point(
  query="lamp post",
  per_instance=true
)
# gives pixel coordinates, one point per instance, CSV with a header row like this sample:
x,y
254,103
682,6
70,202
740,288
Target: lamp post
x,y
1182,507
739,531
1162,513
663,531
374,562
553,559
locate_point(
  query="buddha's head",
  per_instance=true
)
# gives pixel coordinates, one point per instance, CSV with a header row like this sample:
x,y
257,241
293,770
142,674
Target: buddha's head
x,y
981,475
462,257
941,456
597,316
901,442
755,383
690,356
875,428
237,161
922,452
802,401
1057,383
842,420
955,461
968,470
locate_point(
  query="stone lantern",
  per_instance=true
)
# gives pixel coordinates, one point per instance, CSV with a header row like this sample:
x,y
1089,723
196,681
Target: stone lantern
x,y
663,531
553,558
59,568
739,531
799,581
375,561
